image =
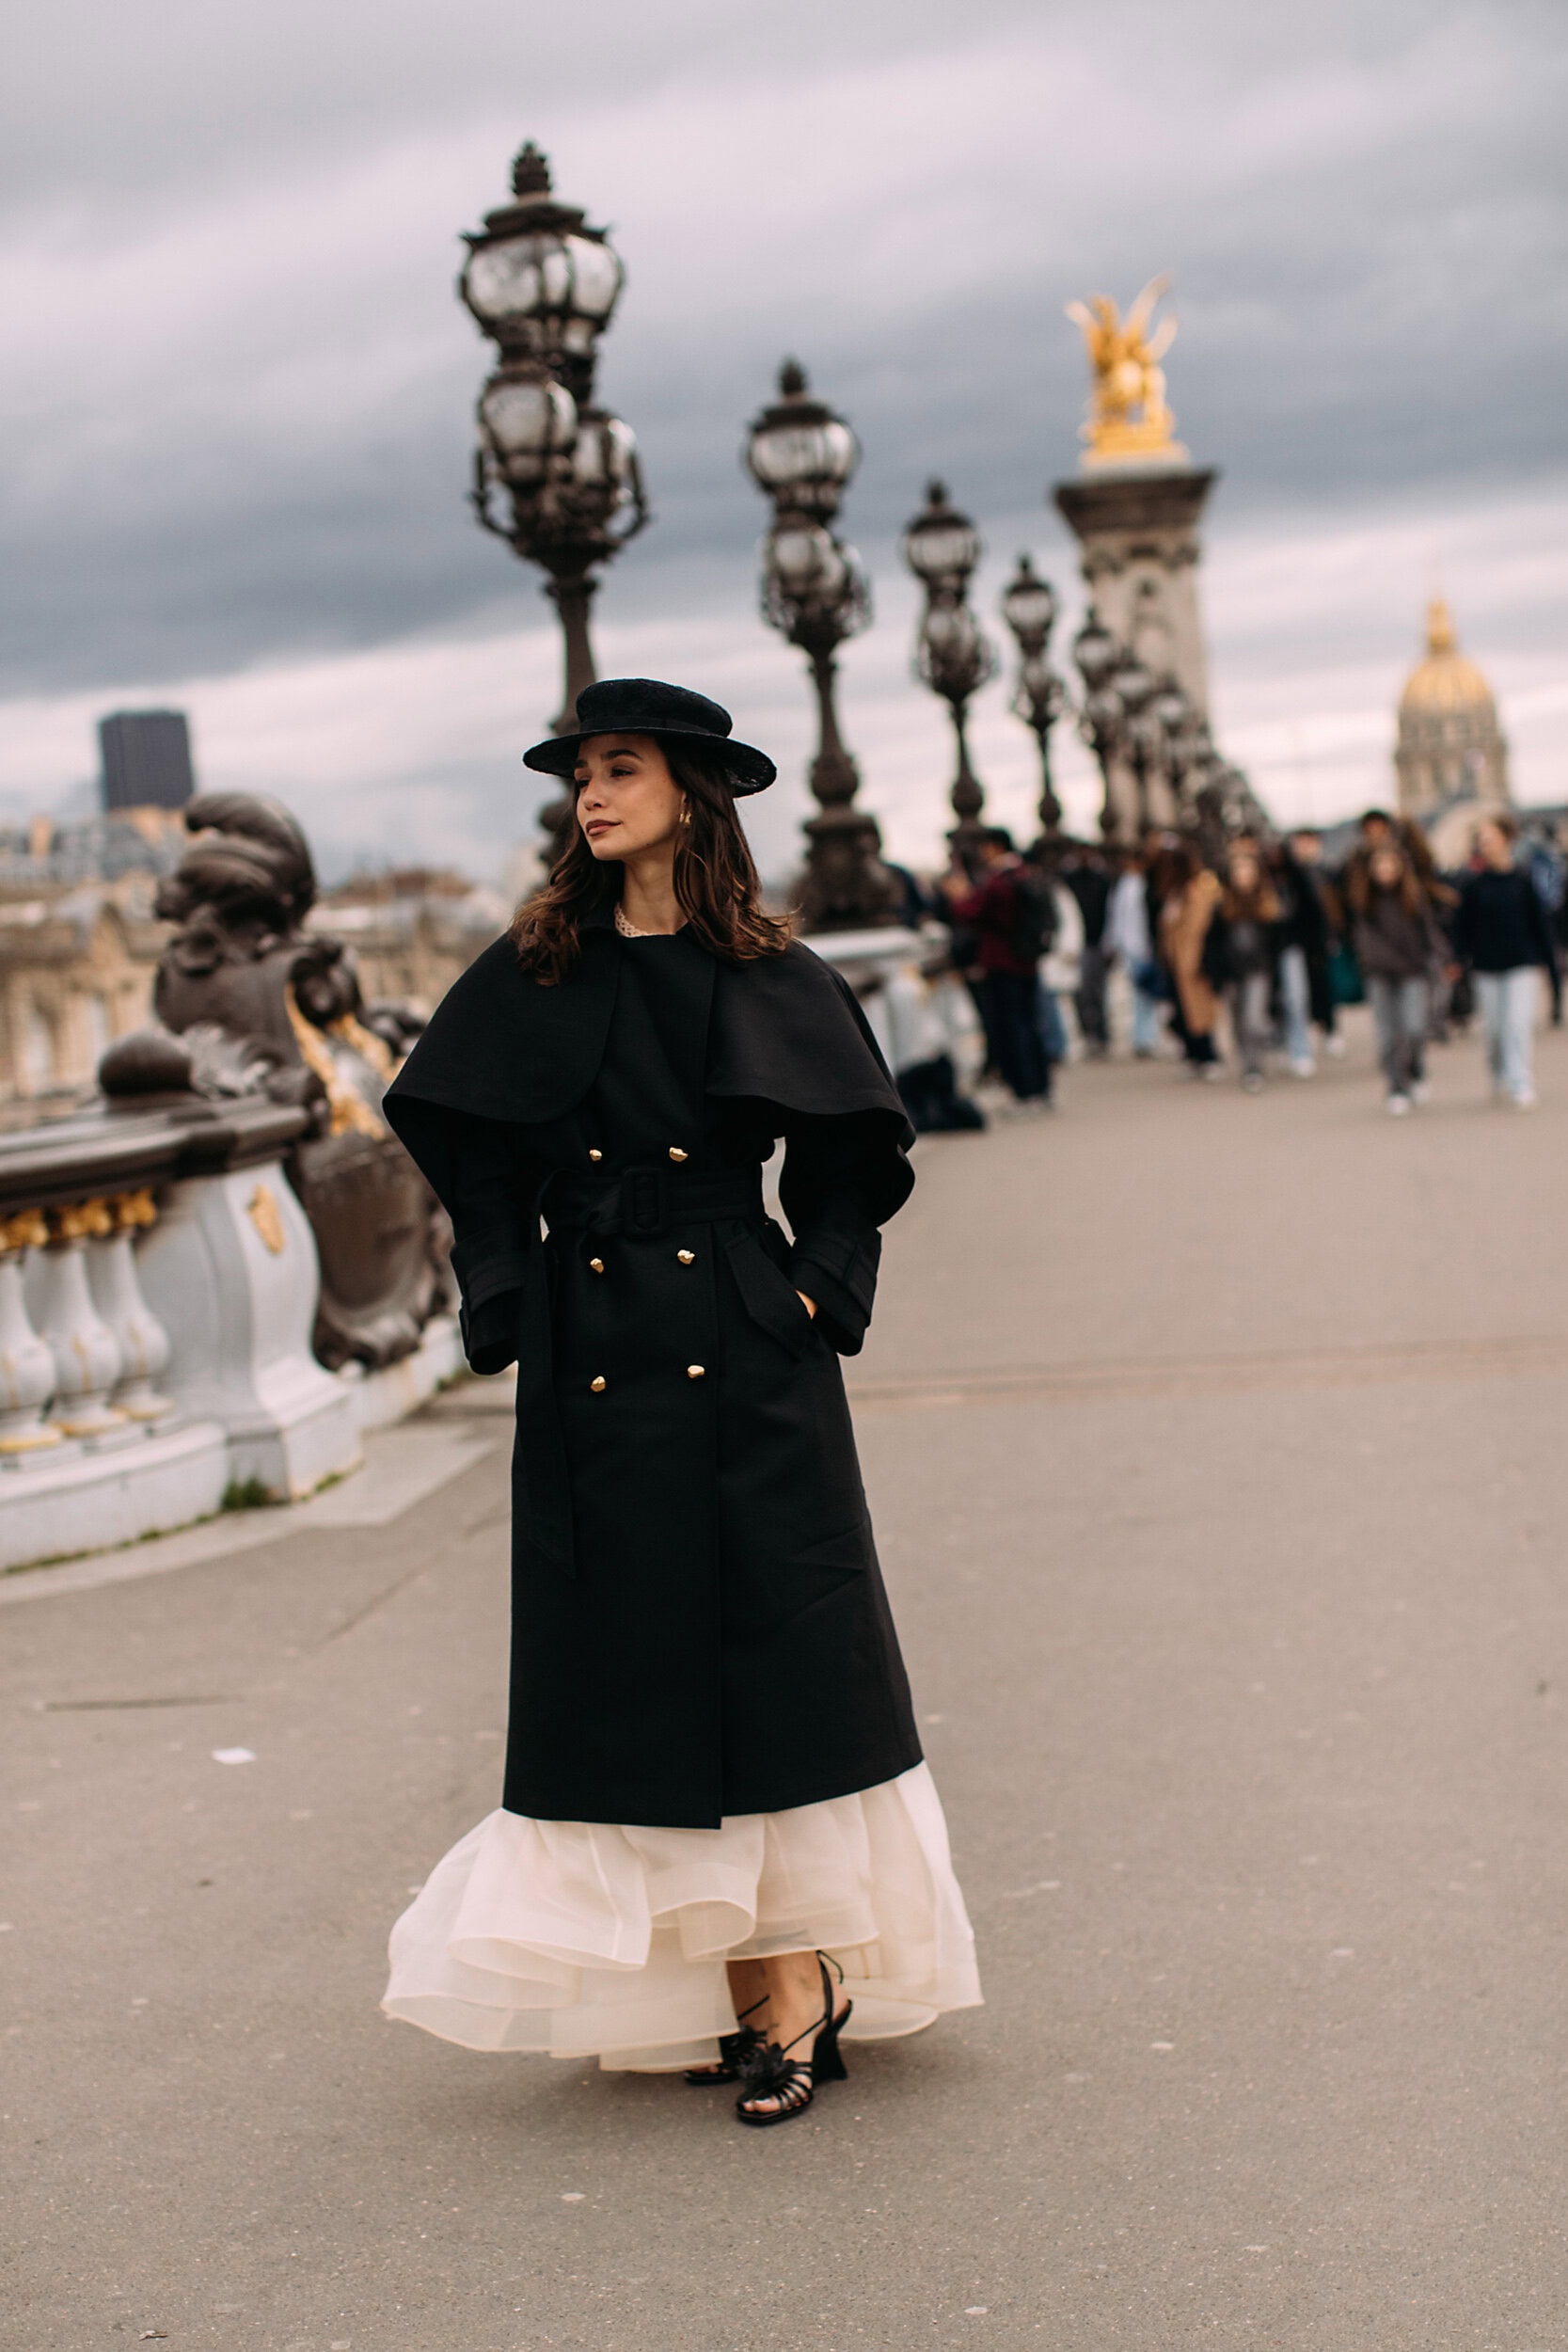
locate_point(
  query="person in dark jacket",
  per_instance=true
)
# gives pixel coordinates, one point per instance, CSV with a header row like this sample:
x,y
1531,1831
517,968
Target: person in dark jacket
x,y
714,1798
1242,954
1086,874
1302,937
1008,910
1306,855
1503,934
1397,940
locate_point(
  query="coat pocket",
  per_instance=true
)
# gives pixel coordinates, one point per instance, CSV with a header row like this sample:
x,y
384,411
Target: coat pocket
x,y
768,1295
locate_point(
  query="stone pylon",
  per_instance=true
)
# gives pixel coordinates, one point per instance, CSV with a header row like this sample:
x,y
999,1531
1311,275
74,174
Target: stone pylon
x,y
1138,527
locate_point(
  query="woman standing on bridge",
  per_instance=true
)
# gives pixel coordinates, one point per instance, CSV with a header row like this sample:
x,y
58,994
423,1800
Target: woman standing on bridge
x,y
717,1836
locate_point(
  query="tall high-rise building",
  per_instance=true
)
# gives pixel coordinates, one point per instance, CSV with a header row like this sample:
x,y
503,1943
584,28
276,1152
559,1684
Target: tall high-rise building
x,y
147,759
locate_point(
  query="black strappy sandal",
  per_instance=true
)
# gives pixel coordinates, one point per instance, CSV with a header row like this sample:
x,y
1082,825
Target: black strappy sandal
x,y
734,2051
770,2072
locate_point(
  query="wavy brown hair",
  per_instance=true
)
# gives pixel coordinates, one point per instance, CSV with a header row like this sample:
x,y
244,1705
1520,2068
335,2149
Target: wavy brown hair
x,y
716,882
1359,885
1258,904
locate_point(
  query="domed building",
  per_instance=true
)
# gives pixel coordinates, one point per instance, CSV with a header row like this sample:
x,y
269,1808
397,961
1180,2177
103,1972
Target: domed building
x,y
1451,749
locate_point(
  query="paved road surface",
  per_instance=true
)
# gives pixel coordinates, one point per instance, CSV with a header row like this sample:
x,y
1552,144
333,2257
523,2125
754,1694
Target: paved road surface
x,y
1216,1447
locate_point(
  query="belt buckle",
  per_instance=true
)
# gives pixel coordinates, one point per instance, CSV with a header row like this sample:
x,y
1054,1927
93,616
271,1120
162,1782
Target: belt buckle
x,y
642,1201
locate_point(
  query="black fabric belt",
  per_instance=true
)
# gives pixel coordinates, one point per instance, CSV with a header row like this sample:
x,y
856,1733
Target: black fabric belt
x,y
650,1199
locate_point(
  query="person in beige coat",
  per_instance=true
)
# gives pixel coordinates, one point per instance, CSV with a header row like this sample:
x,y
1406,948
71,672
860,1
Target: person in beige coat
x,y
1189,894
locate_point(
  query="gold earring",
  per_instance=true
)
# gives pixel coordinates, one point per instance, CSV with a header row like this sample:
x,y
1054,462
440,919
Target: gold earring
x,y
685,812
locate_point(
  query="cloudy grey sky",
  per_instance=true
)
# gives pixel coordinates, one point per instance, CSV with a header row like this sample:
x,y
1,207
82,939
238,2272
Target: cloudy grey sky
x,y
237,405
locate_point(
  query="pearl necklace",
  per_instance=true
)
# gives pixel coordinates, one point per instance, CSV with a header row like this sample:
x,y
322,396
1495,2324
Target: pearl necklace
x,y
630,930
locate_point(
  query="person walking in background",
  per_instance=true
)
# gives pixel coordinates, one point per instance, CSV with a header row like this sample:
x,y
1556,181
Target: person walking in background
x,y
1241,955
1378,830
1559,912
929,1014
1061,968
1128,940
1543,861
1303,945
1307,854
1375,827
1504,936
1010,912
1397,940
1188,895
1084,872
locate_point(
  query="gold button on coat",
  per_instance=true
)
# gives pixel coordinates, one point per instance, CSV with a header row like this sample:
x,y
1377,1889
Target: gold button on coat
x,y
597,1264
687,1257
695,1372
675,1152
594,1155
597,1384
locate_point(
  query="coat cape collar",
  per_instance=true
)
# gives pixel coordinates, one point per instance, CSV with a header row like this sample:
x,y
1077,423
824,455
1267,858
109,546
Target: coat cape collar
x,y
784,1029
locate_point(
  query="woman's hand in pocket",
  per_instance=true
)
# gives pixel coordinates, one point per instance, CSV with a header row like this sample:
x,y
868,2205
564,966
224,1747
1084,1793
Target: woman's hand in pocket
x,y
808,1304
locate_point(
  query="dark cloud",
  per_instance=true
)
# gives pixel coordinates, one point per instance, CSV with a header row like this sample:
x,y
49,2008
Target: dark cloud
x,y
239,423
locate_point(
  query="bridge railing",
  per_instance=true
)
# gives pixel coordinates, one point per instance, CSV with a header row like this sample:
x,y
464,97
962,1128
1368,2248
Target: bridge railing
x,y
159,1285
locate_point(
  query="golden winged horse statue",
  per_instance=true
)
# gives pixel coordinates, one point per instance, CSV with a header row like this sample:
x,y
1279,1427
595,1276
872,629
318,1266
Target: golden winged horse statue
x,y
1125,359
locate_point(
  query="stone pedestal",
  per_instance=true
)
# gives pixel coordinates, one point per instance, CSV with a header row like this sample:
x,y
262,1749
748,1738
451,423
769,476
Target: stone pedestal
x,y
381,1398
232,1267
87,1497
1138,530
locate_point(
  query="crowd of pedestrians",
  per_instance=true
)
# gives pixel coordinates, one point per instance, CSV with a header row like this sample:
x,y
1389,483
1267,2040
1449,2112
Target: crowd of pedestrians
x,y
1244,963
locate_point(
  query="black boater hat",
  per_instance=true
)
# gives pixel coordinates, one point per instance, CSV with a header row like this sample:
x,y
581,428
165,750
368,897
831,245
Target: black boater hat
x,y
645,705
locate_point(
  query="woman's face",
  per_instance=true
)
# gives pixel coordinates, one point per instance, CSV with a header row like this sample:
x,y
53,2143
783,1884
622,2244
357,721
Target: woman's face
x,y
629,802
1388,868
1245,872
1496,848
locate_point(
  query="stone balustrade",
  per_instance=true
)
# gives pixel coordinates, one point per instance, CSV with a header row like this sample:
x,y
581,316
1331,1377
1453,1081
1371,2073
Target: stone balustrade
x,y
158,1292
872,960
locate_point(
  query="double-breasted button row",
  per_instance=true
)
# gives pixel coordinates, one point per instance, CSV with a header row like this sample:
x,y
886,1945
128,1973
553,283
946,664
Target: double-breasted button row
x,y
694,1371
685,1257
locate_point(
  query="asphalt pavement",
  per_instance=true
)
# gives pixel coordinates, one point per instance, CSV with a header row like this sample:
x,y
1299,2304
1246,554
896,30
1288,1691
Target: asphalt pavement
x,y
1216,1446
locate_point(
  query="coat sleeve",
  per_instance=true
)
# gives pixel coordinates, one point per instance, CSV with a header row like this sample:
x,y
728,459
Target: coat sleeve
x,y
831,1189
488,1186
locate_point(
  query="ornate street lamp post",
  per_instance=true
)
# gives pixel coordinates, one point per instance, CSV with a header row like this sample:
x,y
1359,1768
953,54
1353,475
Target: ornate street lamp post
x,y
954,657
1172,711
1029,609
814,592
543,286
1096,653
1138,736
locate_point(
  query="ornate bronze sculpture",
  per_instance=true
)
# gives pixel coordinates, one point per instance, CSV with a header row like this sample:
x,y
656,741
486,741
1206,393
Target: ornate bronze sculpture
x,y
250,1003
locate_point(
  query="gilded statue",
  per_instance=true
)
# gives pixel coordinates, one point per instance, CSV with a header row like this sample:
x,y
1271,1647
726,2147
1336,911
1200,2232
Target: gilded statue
x,y
1128,378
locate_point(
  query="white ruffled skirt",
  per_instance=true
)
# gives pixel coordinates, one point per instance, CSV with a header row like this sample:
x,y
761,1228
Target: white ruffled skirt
x,y
584,1939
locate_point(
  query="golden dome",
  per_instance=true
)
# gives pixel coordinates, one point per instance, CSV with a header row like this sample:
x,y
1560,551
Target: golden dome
x,y
1445,683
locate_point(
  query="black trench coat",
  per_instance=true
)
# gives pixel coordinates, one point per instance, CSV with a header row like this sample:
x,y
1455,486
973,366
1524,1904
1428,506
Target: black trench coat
x,y
699,1623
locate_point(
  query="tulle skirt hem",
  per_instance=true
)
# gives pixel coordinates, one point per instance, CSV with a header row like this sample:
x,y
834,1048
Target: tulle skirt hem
x,y
589,1940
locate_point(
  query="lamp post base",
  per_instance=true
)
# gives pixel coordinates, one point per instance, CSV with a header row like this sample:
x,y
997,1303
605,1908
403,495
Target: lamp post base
x,y
845,886
968,796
